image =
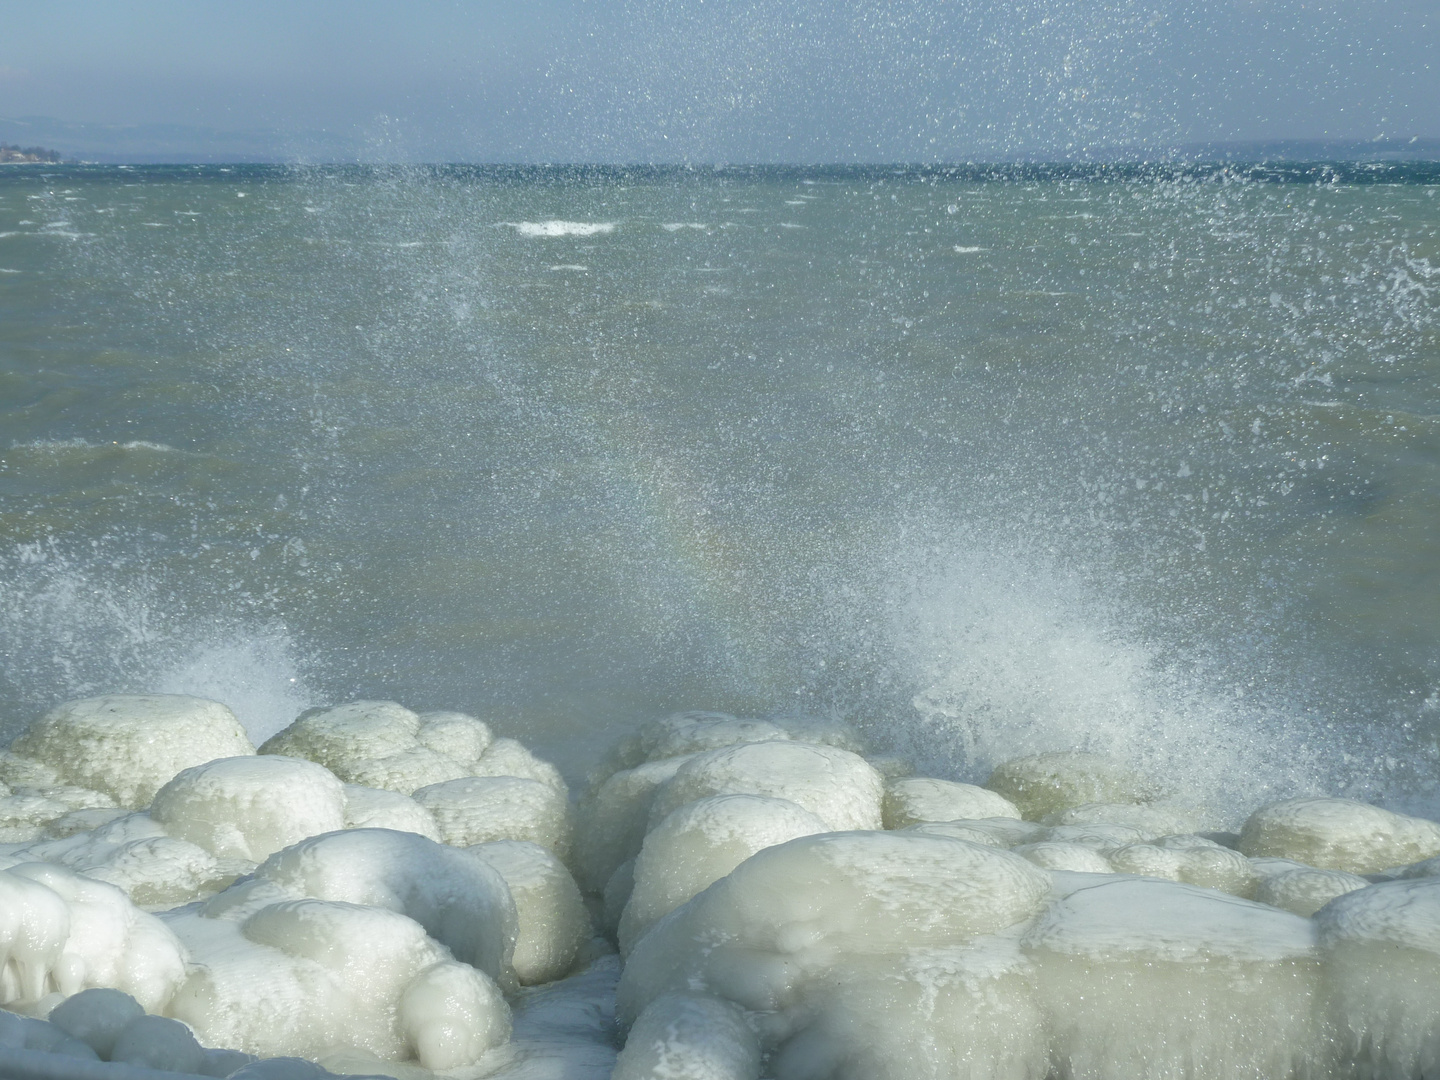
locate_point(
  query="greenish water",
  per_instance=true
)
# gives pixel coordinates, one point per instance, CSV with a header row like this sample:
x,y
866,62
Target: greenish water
x,y
987,460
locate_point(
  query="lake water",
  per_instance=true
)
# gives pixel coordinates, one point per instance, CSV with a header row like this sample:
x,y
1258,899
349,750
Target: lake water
x,y
1144,461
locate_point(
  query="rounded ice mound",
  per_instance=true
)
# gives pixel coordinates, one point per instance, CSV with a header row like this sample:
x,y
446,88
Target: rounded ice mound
x,y
931,1014
1190,859
455,735
691,1036
96,1017
1305,890
509,757
796,910
700,843
476,809
1044,784
128,745
1146,978
458,899
838,787
377,808
1150,821
406,771
553,923
345,735
250,807
695,731
611,819
1057,855
996,832
61,932
920,798
1382,969
1101,837
305,976
23,817
1339,834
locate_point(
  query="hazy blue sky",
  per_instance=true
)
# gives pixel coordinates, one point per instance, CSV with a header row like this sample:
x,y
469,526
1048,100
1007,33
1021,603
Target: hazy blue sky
x,y
723,80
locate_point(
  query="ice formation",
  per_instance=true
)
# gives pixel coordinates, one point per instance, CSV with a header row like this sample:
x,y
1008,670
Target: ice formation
x,y
396,893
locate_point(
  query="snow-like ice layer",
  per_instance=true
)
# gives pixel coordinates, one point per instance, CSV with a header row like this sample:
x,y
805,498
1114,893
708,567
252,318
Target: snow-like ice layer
x,y
996,832
611,819
1190,859
700,843
1044,784
792,912
127,745
1381,948
1143,978
936,1014
1339,834
918,799
508,757
552,921
1305,890
61,932
346,735
250,807
477,809
1100,836
837,786
455,735
564,1030
27,813
376,808
691,1036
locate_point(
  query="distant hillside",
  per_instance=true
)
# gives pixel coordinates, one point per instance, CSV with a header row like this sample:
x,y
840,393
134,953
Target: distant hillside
x,y
27,155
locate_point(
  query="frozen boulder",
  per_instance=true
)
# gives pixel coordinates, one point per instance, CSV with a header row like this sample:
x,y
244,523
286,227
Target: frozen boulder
x,y
552,921
1056,855
612,817
1381,948
793,912
459,900
695,732
345,735
838,787
456,735
407,771
250,807
1305,889
30,1033
302,977
128,745
691,1036
24,817
1044,784
1339,834
921,798
157,1042
477,809
96,1017
508,757
1142,978
1001,832
1101,837
1190,859
61,932
377,808
700,843
931,1014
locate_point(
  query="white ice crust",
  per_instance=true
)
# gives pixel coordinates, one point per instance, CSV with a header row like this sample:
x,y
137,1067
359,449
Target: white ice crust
x,y
916,799
1339,834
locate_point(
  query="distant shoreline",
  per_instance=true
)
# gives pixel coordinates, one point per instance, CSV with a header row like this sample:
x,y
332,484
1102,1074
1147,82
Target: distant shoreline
x,y
29,155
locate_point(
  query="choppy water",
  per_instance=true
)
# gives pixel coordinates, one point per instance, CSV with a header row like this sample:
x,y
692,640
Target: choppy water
x,y
1146,461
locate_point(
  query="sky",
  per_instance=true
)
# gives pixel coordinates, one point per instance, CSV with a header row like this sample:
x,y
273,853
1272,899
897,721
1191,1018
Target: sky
x,y
709,80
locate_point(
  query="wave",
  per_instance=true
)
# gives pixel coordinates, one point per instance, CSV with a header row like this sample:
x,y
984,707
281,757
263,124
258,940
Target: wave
x,y
555,227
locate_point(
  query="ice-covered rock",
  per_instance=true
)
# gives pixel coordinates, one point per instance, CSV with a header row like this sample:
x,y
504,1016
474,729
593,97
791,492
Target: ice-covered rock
x,y
1101,837
552,921
1381,948
700,843
691,1036
128,745
250,807
932,1014
837,786
61,932
377,808
1144,978
477,809
795,911
918,799
157,1042
30,1033
1304,890
509,757
454,734
96,1017
1044,784
346,735
1190,859
1339,834
996,832
1149,821
611,819
1057,855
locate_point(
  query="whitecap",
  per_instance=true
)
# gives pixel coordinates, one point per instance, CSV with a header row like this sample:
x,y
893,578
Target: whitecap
x,y
555,227
790,225
961,249
676,226
569,266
